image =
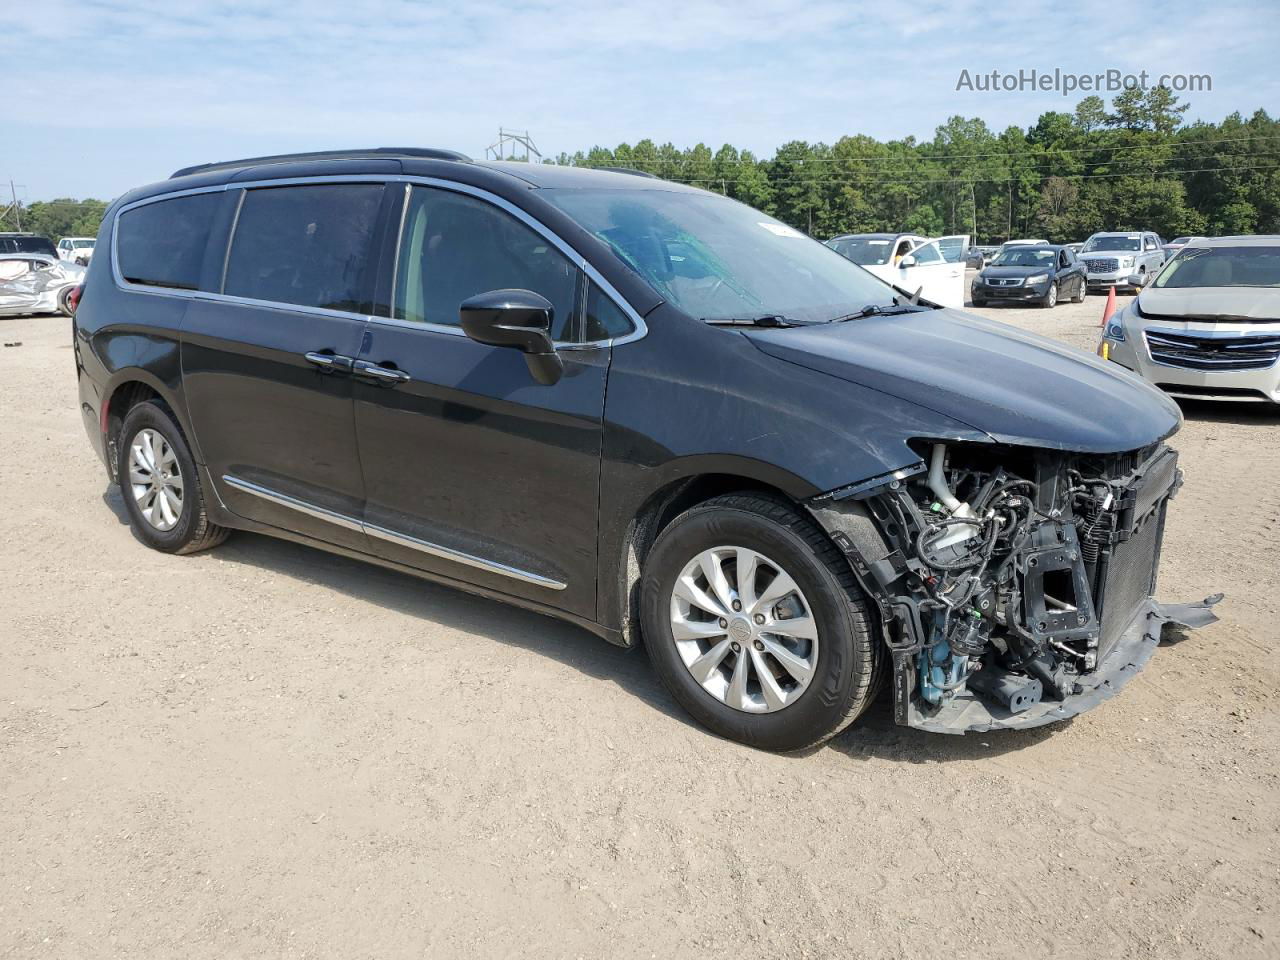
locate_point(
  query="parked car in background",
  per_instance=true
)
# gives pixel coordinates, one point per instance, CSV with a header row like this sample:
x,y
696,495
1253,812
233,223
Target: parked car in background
x,y
1020,243
1122,259
1172,248
974,259
26,243
1208,325
797,485
76,249
1036,274
1075,248
988,253
32,283
910,262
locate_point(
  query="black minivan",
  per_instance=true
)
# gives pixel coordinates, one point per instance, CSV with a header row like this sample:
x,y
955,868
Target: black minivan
x,y
644,408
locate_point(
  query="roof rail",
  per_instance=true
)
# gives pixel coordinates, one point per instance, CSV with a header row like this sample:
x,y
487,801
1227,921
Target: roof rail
x,y
630,170
427,153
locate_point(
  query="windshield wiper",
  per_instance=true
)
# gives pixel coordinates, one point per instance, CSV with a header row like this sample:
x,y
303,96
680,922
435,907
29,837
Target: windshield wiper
x,y
882,310
768,320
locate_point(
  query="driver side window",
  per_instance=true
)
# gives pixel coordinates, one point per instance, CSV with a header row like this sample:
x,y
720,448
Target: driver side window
x,y
454,246
928,254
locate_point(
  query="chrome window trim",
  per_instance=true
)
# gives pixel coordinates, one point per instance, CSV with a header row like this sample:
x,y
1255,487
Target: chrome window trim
x,y
226,253
391,536
640,328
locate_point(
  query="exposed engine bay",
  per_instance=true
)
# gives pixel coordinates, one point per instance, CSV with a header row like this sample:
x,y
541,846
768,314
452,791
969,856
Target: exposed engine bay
x,y
1015,585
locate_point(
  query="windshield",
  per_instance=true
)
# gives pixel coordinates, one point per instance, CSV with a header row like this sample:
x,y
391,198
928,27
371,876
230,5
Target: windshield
x,y
715,258
1222,267
867,251
1093,244
1024,257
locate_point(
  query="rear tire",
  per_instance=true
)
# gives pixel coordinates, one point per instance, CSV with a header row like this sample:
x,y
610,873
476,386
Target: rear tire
x,y
64,302
844,664
161,485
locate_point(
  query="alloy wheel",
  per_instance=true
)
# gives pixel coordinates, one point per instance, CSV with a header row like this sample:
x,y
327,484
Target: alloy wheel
x,y
155,479
744,629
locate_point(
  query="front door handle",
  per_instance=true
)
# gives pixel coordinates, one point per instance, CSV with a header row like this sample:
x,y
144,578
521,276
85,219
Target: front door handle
x,y
388,375
328,360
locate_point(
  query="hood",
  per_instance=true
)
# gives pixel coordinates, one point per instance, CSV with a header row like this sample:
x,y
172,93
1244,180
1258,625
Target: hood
x,y
1016,387
1212,303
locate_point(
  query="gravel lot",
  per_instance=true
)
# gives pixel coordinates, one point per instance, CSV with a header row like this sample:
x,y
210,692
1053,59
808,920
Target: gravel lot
x,y
267,751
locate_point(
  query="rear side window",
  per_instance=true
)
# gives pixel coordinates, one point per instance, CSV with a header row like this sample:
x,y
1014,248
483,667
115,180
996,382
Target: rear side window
x,y
162,244
307,245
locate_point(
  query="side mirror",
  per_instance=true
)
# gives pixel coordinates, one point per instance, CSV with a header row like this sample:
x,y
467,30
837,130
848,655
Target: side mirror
x,y
515,318
1136,280
907,261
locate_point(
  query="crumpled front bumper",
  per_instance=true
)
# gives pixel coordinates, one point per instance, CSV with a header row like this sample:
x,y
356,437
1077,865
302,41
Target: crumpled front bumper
x,y
968,713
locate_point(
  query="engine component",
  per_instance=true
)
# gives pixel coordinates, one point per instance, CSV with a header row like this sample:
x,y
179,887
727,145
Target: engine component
x,y
959,532
942,673
1016,692
1005,575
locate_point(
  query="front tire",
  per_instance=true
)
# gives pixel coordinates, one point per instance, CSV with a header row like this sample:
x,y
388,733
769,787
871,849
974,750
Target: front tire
x,y
755,624
1051,298
1082,290
160,484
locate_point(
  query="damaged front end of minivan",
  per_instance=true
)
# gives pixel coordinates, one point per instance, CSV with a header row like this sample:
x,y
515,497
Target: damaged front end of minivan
x,y
1015,585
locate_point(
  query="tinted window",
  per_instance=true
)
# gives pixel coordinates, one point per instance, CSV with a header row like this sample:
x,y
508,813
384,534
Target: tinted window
x,y
1124,244
1223,267
308,245
604,318
162,244
455,246
866,251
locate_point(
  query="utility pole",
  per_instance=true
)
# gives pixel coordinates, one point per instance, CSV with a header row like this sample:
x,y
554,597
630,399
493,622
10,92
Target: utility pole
x,y
973,199
510,141
17,211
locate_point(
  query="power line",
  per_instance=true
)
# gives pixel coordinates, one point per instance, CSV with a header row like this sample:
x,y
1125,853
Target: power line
x,y
684,156
853,181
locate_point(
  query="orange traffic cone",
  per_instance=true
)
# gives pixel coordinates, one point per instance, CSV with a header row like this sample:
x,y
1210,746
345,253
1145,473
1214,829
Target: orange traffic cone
x,y
1110,308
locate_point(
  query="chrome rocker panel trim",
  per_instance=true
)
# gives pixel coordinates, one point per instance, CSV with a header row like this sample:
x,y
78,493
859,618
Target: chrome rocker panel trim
x,y
382,533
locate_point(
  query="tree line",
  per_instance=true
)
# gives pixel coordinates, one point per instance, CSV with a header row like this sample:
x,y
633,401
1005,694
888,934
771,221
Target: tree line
x,y
1135,166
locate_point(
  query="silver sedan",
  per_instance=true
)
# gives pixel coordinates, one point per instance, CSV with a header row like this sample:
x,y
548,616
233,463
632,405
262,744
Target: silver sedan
x,y
1208,325
35,283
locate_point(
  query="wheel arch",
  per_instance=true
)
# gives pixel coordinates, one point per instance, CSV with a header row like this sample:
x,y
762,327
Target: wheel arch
x,y
127,388
699,480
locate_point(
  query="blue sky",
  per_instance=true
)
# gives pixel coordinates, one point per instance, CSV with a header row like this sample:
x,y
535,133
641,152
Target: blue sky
x,y
153,85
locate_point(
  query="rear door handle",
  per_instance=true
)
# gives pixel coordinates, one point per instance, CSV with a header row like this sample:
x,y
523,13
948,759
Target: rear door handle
x,y
387,375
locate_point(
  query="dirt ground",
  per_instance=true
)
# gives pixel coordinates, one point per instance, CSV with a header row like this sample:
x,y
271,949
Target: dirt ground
x,y
267,751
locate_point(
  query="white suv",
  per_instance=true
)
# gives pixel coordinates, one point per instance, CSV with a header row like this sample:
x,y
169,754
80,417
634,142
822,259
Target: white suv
x,y
76,249
1111,259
